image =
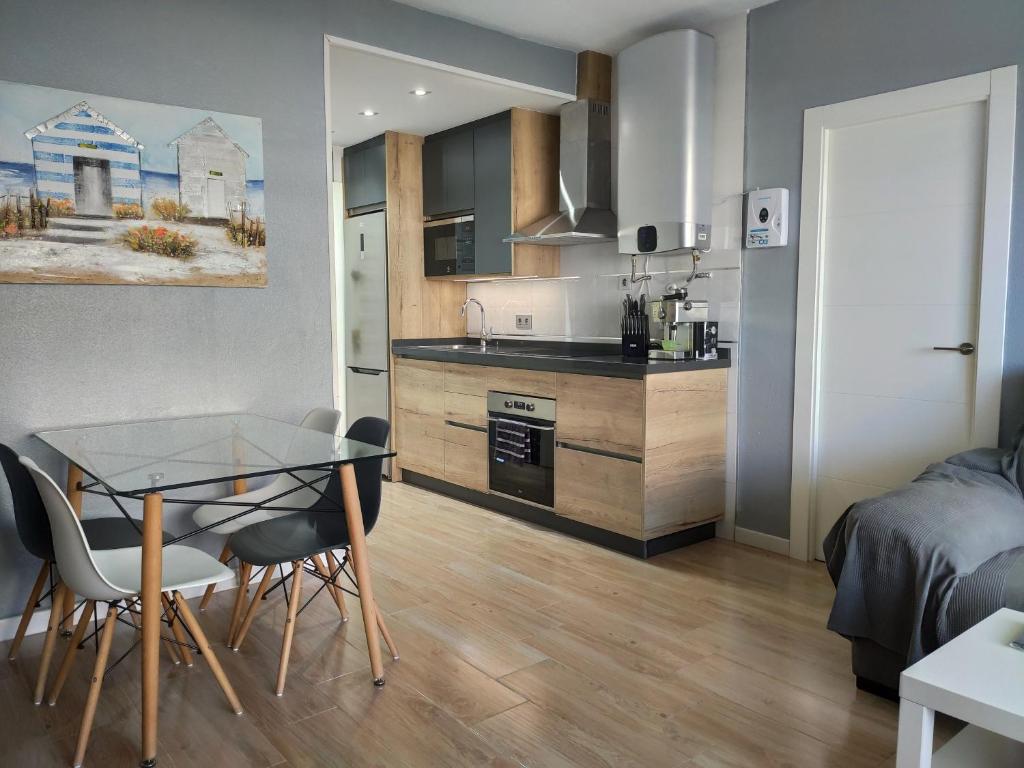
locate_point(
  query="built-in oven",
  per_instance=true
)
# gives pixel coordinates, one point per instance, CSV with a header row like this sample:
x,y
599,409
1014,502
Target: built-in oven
x,y
521,447
448,247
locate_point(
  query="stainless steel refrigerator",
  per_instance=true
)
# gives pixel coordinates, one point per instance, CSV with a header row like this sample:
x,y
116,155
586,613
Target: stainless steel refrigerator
x,y
366,318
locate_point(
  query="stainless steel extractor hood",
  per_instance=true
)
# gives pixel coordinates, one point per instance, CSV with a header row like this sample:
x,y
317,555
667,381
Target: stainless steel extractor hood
x,y
584,181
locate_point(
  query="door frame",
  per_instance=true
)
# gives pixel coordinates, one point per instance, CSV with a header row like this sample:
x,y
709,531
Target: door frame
x,y
997,88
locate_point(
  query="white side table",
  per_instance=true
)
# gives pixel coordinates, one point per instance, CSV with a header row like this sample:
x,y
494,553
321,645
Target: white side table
x,y
977,678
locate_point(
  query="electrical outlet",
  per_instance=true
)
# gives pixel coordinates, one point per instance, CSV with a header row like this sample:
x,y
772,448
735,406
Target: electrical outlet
x,y
524,322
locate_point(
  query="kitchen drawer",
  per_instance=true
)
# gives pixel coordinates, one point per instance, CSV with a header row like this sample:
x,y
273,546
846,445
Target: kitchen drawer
x,y
421,443
465,409
522,382
419,386
465,457
466,379
601,412
603,491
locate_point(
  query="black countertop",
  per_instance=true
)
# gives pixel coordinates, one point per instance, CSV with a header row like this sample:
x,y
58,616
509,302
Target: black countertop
x,y
594,359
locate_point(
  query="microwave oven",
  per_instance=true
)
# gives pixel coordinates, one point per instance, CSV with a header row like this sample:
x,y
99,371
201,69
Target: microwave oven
x,y
448,247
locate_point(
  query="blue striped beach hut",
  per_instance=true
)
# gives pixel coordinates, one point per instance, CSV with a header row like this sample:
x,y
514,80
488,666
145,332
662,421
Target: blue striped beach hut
x,y
81,156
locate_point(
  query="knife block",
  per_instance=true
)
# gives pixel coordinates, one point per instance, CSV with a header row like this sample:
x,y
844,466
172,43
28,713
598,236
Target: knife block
x,y
636,335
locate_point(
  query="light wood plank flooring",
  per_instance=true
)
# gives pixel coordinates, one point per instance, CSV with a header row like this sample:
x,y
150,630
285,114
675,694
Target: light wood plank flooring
x,y
519,647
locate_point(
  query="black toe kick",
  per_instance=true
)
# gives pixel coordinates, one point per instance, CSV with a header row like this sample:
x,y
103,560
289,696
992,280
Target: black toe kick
x,y
548,519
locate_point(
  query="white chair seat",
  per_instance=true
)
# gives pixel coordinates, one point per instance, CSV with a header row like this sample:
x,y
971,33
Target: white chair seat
x,y
208,514
183,568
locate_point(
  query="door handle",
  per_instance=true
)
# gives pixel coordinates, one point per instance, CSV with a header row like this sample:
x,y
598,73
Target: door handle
x,y
964,349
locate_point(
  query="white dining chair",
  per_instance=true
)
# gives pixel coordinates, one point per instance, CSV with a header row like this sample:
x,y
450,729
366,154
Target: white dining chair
x,y
320,419
115,577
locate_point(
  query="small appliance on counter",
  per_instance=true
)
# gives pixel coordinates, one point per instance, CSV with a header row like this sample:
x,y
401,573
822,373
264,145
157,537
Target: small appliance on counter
x,y
636,328
682,330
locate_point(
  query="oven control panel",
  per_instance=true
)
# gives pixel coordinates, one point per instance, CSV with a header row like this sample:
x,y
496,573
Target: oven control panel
x,y
506,403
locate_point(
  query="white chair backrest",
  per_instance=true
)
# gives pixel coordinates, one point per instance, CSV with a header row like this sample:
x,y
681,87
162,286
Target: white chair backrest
x,y
74,558
322,420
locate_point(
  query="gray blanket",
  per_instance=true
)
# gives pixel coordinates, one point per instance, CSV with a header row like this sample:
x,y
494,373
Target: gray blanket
x,y
896,559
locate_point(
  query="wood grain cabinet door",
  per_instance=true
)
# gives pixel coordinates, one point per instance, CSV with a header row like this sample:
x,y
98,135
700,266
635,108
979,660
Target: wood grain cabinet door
x,y
603,491
465,457
602,413
419,386
421,443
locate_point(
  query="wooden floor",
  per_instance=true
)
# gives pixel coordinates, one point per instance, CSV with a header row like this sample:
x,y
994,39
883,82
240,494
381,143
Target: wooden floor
x,y
519,647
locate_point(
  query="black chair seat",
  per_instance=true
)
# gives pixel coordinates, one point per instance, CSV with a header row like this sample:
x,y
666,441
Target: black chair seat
x,y
289,538
114,533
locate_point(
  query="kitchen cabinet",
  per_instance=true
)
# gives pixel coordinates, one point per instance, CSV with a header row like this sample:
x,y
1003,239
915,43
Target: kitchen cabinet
x,y
448,182
419,416
364,175
465,456
492,169
642,458
602,491
505,169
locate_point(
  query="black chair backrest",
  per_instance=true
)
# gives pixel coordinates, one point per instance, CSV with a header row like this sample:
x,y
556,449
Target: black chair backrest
x,y
29,513
374,431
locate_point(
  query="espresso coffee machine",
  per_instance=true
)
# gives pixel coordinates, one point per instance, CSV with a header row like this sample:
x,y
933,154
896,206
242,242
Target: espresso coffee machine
x,y
680,329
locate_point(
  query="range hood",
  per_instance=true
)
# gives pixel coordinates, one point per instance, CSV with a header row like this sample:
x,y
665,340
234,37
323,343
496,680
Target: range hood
x,y
584,181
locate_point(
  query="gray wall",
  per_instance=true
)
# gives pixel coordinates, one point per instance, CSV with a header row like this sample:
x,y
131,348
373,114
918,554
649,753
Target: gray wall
x,y
806,53
95,354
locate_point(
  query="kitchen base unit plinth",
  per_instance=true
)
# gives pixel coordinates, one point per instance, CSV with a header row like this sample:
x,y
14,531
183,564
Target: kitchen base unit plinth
x,y
548,519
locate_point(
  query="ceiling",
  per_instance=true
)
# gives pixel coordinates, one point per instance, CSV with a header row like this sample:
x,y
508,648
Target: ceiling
x,y
601,25
362,80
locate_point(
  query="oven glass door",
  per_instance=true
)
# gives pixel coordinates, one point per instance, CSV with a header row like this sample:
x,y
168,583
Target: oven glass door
x,y
521,458
439,249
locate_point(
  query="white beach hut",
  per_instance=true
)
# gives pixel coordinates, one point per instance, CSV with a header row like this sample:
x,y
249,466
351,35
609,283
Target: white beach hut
x,y
211,170
81,156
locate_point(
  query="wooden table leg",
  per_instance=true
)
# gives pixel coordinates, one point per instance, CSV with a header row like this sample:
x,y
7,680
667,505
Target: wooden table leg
x,y
74,495
152,563
361,566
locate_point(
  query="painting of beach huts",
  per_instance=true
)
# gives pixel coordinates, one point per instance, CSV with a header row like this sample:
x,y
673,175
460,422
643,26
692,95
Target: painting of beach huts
x,y
96,189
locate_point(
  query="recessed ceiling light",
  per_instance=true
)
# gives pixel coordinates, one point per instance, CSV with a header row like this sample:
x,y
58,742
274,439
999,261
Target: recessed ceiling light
x,y
419,92
368,113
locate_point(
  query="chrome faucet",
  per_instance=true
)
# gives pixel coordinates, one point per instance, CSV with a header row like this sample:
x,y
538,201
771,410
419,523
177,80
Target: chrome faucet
x,y
484,334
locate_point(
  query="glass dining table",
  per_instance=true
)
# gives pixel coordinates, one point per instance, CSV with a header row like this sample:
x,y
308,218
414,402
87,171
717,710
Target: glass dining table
x,y
157,462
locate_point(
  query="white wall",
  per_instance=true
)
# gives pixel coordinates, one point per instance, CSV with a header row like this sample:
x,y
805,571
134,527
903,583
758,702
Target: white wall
x,y
585,303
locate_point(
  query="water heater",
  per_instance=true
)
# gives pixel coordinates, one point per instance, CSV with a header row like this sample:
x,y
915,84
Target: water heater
x,y
665,93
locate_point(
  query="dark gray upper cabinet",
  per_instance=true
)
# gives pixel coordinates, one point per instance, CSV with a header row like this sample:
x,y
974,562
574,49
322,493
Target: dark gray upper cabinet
x,y
492,171
448,172
365,175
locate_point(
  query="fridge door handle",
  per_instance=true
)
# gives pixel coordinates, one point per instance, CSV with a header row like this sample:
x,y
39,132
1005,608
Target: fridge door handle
x,y
367,371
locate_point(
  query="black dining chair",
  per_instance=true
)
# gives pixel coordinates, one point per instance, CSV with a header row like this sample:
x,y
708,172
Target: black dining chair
x,y
34,531
301,539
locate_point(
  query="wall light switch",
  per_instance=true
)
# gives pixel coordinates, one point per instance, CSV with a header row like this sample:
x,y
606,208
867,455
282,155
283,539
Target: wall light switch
x,y
524,322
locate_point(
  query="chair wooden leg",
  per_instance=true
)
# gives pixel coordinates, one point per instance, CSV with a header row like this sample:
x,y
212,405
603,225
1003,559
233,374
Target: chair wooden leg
x,y
245,571
207,651
385,634
30,609
332,563
69,655
179,634
268,576
225,555
56,612
96,685
289,628
335,592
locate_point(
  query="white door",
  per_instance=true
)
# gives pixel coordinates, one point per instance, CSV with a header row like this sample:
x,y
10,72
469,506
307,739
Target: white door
x,y
900,223
216,205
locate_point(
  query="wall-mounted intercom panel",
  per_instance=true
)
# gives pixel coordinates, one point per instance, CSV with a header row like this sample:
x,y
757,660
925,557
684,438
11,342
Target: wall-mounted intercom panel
x,y
767,218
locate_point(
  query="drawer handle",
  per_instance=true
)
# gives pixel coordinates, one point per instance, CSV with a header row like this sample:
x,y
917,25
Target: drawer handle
x,y
599,452
460,425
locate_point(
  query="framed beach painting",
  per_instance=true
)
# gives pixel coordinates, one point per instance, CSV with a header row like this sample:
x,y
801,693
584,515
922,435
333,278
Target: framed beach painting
x,y
95,189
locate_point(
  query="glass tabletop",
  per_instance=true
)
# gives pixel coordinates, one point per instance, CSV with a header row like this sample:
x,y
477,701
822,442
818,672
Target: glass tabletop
x,y
147,456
